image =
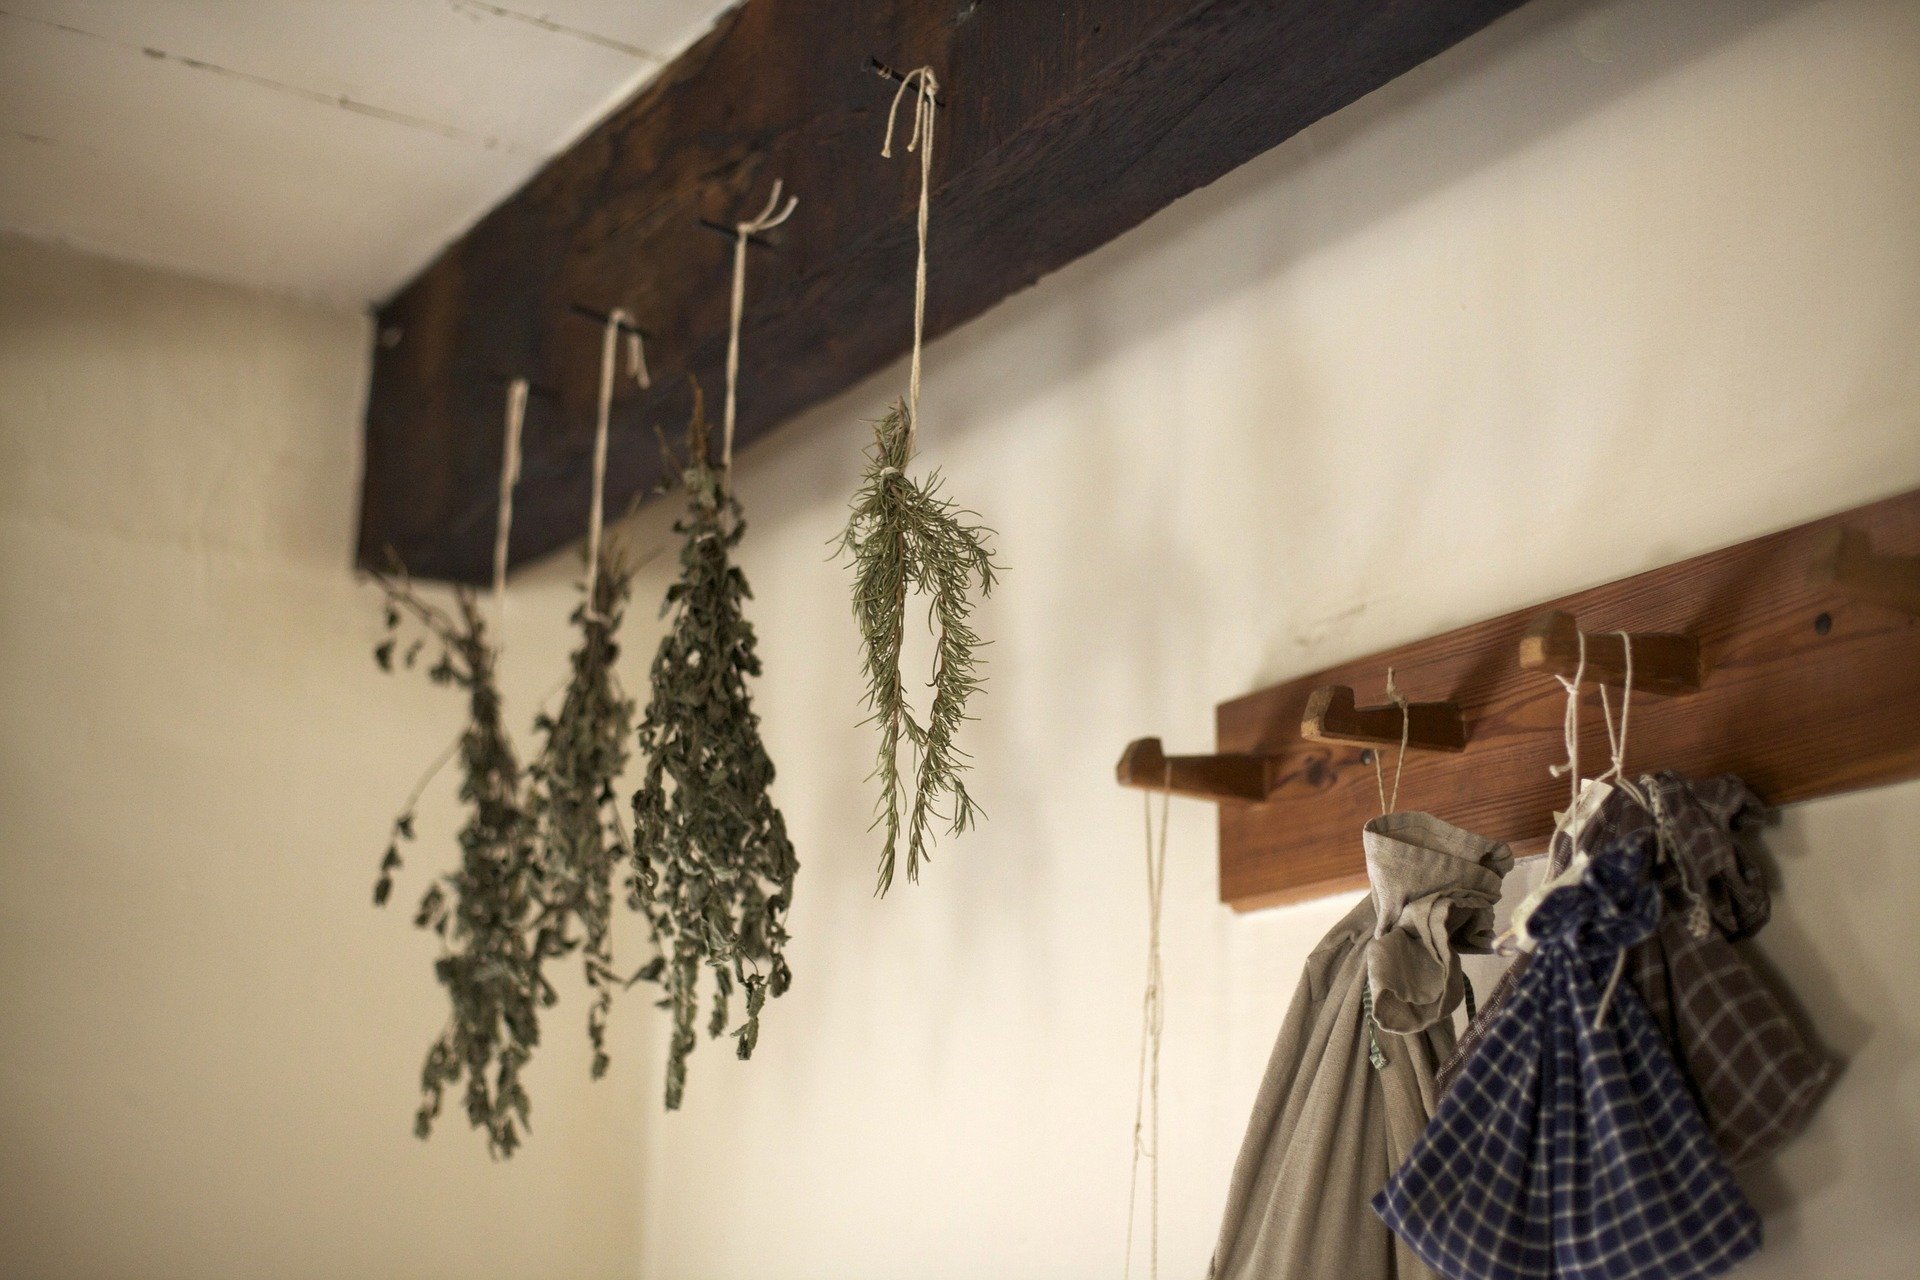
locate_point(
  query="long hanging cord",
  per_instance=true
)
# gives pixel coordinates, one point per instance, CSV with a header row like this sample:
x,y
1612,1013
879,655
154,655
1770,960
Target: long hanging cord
x,y
1375,1057
925,87
1399,700
617,322
1570,729
1617,743
509,477
1146,1106
771,216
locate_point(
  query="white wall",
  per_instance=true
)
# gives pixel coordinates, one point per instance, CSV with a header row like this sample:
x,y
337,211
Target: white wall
x,y
1606,286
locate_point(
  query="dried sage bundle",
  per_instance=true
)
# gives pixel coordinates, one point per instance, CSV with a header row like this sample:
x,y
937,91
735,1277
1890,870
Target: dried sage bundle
x,y
485,911
712,865
580,843
904,537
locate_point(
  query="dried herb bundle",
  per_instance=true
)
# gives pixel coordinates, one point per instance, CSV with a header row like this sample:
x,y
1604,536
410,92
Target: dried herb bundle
x,y
904,537
486,910
712,867
580,843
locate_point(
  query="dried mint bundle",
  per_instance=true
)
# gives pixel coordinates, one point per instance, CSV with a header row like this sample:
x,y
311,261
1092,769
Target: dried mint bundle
x,y
904,537
712,865
485,912
580,843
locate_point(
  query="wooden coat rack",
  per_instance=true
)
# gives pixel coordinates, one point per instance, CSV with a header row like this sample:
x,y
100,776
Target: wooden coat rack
x,y
1792,660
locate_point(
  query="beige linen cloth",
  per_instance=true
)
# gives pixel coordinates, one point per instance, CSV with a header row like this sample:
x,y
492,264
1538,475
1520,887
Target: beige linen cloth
x,y
1329,1128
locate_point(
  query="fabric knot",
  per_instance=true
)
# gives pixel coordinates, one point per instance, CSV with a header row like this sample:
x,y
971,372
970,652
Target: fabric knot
x,y
1434,890
1614,905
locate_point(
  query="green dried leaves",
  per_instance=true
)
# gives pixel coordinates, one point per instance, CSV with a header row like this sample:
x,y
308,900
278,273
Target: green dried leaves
x,y
904,537
485,910
712,865
580,841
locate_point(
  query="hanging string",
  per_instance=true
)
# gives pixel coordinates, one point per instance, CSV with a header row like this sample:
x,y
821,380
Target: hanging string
x,y
1617,742
509,477
1516,935
1146,1106
1387,805
618,322
1379,777
771,216
921,135
1570,731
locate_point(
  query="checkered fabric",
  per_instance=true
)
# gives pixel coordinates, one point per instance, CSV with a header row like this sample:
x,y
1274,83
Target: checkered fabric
x,y
1570,1147
1754,1075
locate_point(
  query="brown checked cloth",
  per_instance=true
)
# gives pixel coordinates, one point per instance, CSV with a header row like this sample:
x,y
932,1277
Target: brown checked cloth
x,y
1349,1087
1753,1074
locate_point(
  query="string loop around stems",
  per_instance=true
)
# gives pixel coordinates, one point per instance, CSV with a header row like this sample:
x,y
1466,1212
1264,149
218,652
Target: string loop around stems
x,y
618,322
921,80
771,216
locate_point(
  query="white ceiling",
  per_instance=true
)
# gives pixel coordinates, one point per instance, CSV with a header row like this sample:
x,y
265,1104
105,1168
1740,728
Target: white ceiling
x,y
326,148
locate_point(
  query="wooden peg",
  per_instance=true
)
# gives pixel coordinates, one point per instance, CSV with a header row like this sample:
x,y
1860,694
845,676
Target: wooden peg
x,y
1331,716
1662,662
1844,559
1241,777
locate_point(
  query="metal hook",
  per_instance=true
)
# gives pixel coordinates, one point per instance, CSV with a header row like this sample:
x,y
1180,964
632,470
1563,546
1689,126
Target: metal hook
x,y
881,68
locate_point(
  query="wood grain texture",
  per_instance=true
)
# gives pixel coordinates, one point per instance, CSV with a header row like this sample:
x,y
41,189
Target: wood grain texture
x,y
1797,708
1065,125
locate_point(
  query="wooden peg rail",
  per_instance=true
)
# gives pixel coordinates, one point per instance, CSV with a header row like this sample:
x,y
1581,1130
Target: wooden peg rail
x,y
1331,716
1798,655
1845,560
1658,662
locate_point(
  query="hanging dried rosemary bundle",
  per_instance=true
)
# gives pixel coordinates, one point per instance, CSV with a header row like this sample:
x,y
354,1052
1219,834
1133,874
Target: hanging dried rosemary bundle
x,y
712,866
486,910
580,843
903,538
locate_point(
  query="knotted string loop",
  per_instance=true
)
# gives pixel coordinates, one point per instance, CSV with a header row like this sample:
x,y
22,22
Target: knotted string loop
x,y
772,216
618,322
925,88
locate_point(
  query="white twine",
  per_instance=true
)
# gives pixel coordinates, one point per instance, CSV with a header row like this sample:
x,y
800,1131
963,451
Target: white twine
x,y
1517,934
617,321
509,477
1615,775
1146,1106
925,88
1400,762
771,216
1570,732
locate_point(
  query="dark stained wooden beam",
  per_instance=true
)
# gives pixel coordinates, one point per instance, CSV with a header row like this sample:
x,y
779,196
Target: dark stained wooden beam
x,y
1064,125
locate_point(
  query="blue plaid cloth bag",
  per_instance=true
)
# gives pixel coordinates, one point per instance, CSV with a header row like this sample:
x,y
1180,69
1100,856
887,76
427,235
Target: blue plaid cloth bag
x,y
1570,1145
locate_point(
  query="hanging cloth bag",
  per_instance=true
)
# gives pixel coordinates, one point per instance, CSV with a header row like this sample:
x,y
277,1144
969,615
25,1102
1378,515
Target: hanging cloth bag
x,y
1752,1072
1570,1147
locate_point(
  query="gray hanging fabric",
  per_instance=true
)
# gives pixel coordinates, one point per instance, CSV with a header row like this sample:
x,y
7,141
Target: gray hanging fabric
x,y
1329,1125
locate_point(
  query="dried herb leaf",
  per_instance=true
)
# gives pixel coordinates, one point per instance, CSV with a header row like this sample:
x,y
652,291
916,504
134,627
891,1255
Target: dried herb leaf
x,y
713,868
904,537
486,910
573,783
